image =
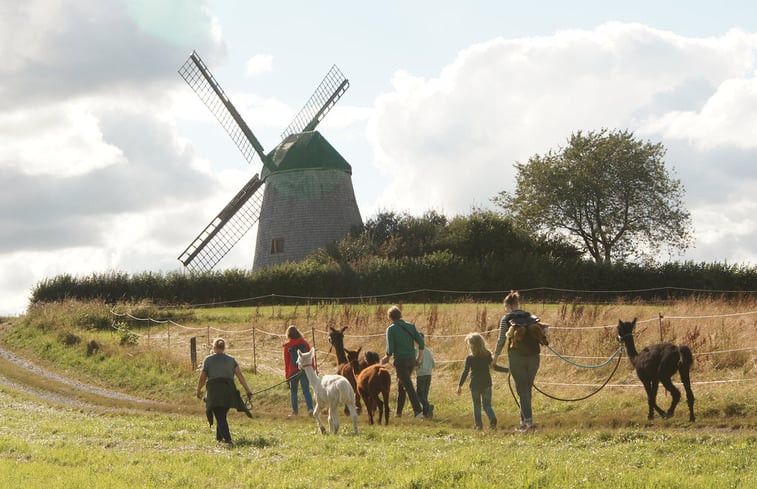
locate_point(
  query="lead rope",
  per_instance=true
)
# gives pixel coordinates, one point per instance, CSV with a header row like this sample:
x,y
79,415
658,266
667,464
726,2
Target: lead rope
x,y
618,353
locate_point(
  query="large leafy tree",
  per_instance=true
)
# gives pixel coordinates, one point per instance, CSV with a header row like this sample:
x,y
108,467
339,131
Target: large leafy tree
x,y
606,191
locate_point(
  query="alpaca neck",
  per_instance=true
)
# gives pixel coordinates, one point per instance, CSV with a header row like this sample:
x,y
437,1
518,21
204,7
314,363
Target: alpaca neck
x,y
631,349
312,377
341,355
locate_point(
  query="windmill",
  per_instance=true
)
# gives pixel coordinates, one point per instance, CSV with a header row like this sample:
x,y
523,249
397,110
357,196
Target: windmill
x,y
302,199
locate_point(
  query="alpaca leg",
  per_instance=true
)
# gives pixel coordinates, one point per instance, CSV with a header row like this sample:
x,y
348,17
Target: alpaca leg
x,y
689,393
675,395
386,408
353,415
379,409
655,386
650,388
317,416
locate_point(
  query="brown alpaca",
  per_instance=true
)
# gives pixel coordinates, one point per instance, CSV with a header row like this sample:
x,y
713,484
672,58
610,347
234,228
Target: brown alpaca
x,y
349,371
658,363
537,331
348,365
372,382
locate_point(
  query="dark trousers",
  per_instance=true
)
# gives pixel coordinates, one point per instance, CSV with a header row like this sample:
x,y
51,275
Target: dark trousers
x,y
222,424
404,368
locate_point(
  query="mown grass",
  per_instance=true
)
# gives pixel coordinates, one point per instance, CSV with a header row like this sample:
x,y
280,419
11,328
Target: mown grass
x,y
51,446
604,441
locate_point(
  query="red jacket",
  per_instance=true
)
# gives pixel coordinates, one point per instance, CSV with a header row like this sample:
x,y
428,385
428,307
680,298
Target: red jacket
x,y
290,355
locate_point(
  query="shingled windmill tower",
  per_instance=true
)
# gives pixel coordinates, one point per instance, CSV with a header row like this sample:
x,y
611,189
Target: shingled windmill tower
x,y
303,198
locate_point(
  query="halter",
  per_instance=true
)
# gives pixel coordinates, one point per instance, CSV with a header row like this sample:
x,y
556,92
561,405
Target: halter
x,y
620,338
308,365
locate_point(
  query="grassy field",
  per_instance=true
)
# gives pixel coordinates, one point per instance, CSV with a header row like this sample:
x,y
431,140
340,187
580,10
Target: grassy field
x,y
57,434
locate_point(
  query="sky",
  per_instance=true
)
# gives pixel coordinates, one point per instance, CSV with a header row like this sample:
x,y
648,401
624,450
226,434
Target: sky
x,y
109,162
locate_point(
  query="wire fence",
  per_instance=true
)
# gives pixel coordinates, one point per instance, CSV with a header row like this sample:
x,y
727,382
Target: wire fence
x,y
715,339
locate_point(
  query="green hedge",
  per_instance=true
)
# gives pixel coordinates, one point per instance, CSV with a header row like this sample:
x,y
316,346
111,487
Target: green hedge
x,y
553,279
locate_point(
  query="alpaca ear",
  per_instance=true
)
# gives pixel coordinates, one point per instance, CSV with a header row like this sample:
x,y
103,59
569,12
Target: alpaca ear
x,y
344,328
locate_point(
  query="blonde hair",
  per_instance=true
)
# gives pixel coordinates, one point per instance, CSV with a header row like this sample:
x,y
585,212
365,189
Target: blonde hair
x,y
293,332
476,344
512,299
394,313
219,343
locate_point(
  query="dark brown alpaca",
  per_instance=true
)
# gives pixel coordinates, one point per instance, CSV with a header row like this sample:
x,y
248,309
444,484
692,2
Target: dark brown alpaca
x,y
658,363
348,365
374,383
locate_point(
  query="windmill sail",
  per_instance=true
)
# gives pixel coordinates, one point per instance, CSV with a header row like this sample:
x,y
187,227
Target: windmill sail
x,y
197,76
327,94
244,210
226,229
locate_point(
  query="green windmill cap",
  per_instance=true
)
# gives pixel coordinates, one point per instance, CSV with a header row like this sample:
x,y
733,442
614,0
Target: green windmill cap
x,y
305,150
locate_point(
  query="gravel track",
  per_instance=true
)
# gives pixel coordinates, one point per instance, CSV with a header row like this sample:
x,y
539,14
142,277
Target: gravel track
x,y
75,385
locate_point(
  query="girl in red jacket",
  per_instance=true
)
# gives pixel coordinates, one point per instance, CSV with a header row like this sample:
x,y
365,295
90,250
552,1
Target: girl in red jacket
x,y
293,374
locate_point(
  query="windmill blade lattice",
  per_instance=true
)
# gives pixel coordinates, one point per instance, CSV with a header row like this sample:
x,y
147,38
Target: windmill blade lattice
x,y
226,229
327,94
199,78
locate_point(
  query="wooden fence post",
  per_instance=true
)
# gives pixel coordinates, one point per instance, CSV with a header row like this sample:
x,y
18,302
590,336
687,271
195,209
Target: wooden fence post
x,y
193,351
659,320
169,336
254,353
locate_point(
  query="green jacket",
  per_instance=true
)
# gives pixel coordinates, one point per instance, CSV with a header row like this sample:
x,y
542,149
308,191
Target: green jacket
x,y
401,338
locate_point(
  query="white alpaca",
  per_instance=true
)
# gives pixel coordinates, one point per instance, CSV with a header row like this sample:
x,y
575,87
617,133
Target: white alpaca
x,y
333,391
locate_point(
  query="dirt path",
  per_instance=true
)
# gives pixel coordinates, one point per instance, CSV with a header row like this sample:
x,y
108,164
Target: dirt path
x,y
74,385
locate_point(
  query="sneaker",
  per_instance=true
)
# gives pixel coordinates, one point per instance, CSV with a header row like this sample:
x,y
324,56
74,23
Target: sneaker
x,y
430,411
310,412
293,415
419,416
493,424
397,415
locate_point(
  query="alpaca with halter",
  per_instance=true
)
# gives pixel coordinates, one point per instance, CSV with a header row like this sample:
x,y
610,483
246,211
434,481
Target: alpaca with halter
x,y
333,391
348,365
656,364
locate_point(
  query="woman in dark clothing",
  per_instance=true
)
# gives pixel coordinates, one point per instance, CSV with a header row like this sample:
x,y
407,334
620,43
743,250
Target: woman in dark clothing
x,y
218,372
478,364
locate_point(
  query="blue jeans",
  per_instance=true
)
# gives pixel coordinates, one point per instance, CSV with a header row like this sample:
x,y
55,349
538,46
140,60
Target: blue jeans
x,y
303,382
523,368
482,397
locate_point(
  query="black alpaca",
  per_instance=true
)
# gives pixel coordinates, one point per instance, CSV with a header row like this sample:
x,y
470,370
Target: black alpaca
x,y
658,363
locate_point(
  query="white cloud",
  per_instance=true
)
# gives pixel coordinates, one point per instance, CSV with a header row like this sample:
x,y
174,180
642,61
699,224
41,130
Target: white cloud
x,y
452,140
259,64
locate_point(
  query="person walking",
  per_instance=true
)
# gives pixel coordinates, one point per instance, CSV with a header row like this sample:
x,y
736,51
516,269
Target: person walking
x,y
401,338
218,371
296,377
523,358
478,364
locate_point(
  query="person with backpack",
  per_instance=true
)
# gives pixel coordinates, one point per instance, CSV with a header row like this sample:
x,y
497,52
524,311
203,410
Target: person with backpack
x,y
523,358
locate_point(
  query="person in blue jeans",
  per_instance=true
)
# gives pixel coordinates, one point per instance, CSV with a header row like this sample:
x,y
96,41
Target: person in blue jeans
x,y
478,364
294,376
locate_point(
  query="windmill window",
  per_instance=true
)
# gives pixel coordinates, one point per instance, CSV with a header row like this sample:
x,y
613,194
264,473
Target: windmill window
x,y
277,246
